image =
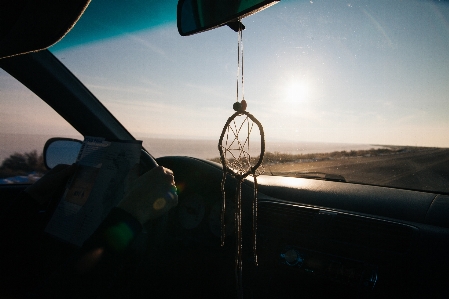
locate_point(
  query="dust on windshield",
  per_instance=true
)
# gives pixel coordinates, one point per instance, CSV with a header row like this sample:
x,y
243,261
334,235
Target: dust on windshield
x,y
367,79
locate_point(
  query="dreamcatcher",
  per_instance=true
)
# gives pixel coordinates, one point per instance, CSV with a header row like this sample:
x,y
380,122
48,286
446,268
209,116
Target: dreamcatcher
x,y
238,161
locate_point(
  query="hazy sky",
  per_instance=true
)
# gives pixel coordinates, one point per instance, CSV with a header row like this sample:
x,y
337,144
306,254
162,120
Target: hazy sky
x,y
372,72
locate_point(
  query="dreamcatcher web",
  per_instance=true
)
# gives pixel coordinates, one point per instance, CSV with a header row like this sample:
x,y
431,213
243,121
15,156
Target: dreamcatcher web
x,y
241,158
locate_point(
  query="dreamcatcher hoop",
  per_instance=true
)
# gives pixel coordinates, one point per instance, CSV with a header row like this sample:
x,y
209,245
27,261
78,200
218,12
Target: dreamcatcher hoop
x,y
224,162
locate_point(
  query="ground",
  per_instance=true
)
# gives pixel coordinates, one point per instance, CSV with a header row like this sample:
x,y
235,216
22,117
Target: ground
x,y
423,169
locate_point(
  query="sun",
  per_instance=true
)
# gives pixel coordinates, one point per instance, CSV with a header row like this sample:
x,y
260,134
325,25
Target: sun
x,y
296,92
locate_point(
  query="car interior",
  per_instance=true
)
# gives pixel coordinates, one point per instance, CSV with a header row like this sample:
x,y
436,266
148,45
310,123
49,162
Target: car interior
x,y
316,237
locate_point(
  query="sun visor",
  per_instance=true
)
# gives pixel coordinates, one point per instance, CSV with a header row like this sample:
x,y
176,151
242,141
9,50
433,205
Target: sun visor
x,y
33,25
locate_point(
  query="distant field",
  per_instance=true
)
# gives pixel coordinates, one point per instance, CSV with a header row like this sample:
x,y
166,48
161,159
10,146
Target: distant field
x,y
159,147
24,143
403,167
396,166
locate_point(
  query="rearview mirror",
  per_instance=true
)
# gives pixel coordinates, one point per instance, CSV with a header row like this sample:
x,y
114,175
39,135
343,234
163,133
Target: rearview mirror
x,y
195,16
61,151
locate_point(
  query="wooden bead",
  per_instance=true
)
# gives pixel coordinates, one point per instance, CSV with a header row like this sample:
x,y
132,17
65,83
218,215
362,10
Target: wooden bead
x,y
237,106
244,105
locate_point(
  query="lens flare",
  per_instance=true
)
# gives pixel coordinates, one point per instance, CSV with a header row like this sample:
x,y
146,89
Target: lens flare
x,y
180,187
160,203
89,260
119,236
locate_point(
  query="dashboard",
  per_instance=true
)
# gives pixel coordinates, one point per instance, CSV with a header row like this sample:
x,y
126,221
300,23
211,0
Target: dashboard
x,y
315,238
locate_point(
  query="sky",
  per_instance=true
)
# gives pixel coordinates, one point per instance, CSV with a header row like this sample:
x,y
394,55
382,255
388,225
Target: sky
x,y
370,72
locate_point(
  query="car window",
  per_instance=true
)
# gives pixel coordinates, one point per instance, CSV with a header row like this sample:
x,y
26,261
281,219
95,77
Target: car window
x,y
354,91
26,123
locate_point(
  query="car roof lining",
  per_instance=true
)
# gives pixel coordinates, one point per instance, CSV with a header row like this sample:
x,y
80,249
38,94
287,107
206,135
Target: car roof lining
x,y
32,25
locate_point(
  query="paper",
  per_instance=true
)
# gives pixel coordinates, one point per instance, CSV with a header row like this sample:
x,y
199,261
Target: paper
x,y
105,170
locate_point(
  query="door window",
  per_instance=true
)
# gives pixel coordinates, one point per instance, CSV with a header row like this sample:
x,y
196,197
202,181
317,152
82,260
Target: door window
x,y
26,123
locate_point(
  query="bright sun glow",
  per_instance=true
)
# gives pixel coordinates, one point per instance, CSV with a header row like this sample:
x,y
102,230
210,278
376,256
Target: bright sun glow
x,y
296,92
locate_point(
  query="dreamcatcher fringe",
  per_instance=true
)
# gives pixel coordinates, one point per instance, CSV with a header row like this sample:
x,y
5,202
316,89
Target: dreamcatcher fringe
x,y
239,256
255,221
238,228
223,208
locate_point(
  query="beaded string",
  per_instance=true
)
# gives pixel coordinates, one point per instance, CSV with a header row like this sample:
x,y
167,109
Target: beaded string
x,y
240,54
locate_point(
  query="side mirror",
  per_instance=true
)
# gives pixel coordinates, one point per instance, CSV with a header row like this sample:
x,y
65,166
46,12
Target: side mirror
x,y
195,16
61,151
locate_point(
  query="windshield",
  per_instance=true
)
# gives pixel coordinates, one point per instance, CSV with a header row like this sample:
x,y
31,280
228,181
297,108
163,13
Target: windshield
x,y
349,89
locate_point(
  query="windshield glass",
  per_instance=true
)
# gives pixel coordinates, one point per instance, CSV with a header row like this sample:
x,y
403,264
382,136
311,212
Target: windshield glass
x,y
354,90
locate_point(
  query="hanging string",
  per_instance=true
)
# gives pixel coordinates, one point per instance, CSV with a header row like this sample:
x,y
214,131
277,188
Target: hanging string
x,y
239,241
256,262
223,208
240,57
238,63
241,43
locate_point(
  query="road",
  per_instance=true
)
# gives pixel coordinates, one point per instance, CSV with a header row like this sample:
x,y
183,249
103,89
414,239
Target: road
x,y
426,169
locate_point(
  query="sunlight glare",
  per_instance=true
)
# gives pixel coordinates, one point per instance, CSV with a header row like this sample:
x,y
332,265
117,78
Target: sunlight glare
x,y
296,92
